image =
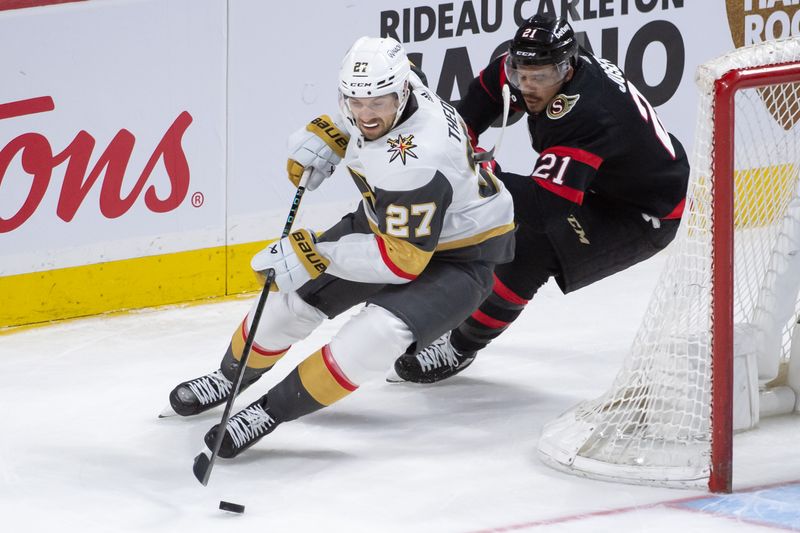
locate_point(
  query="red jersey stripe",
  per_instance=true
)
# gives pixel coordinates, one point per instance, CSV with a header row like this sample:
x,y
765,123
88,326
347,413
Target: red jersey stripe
x,y
568,193
336,372
485,88
677,212
396,270
593,160
473,137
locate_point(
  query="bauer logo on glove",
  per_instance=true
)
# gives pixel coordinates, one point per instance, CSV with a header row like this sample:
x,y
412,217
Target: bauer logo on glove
x,y
320,146
295,260
324,128
306,248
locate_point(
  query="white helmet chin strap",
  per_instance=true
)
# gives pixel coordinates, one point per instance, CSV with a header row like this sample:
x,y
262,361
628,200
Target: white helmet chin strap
x,y
350,121
402,101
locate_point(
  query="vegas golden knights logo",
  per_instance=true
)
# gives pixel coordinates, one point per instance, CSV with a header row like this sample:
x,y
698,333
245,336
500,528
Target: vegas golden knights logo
x,y
401,147
756,21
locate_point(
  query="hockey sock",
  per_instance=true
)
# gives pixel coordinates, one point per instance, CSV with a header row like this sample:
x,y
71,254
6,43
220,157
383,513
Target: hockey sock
x,y
315,383
493,316
259,361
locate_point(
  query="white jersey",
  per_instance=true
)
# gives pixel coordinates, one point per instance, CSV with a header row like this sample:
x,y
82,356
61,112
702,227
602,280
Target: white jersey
x,y
424,199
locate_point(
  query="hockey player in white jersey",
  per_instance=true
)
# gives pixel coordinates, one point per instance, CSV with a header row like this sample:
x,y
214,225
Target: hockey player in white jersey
x,y
419,251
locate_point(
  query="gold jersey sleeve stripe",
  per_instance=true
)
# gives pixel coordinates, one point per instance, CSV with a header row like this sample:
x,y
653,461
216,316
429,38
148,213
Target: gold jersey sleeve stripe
x,y
475,239
323,379
259,357
402,257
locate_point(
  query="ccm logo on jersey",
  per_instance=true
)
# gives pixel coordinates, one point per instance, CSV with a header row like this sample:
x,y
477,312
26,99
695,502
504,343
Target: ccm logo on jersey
x,y
561,105
579,231
309,252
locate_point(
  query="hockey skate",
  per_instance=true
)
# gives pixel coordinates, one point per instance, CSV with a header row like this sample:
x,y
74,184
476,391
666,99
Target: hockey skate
x,y
200,394
206,392
244,429
436,362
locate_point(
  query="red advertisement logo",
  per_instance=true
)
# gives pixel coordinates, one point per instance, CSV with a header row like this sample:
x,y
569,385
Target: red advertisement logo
x,y
38,161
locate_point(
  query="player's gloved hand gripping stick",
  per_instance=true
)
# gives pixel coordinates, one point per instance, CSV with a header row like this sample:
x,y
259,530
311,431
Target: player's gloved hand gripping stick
x,y
204,462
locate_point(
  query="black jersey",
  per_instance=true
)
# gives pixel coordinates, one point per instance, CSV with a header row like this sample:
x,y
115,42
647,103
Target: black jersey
x,y
599,135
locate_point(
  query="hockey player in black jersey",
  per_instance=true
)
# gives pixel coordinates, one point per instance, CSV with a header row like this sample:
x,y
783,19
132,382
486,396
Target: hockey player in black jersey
x,y
606,192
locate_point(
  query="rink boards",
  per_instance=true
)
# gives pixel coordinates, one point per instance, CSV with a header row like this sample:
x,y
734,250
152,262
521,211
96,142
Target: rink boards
x,y
142,143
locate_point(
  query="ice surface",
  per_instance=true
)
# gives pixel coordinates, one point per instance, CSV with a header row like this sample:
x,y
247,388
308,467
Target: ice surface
x,y
82,449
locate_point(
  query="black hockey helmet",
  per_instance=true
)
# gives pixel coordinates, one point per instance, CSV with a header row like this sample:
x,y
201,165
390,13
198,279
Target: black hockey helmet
x,y
543,40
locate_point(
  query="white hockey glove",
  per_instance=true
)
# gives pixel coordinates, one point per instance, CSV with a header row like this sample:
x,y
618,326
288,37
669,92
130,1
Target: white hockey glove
x,y
320,145
295,259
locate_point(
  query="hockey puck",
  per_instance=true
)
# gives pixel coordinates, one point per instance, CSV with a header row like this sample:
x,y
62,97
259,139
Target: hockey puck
x,y
231,507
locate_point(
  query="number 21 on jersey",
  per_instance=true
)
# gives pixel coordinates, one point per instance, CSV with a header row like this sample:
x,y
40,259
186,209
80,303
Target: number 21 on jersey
x,y
549,168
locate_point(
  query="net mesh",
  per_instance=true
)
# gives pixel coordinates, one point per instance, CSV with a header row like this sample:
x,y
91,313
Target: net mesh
x,y
652,426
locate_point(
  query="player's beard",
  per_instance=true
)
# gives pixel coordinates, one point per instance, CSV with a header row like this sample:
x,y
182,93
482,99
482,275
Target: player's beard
x,y
539,98
381,128
535,103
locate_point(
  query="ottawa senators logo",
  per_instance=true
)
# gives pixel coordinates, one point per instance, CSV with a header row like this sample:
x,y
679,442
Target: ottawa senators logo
x,y
561,105
401,147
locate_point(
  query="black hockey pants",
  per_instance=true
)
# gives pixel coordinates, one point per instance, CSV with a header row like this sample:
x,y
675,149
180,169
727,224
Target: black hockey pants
x,y
574,244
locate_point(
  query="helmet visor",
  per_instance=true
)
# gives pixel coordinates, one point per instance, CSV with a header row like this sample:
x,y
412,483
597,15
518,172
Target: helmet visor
x,y
381,105
535,76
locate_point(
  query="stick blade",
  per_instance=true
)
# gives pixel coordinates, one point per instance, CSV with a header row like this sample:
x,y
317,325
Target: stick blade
x,y
482,157
202,466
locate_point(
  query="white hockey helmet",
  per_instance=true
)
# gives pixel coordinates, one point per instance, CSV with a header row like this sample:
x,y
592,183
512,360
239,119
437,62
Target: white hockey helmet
x,y
374,66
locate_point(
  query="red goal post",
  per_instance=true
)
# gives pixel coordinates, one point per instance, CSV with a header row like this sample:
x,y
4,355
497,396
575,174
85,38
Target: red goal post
x,y
728,296
725,90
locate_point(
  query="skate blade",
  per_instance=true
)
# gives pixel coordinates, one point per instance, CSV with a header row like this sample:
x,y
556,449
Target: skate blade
x,y
392,377
167,412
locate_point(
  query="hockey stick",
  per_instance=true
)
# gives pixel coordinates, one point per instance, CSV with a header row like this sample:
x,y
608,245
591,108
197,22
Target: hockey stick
x,y
204,462
484,157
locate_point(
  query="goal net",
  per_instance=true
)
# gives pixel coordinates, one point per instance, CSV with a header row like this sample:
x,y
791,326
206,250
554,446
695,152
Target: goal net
x,y
712,353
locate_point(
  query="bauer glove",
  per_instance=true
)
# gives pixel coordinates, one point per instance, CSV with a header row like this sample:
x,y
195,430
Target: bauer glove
x,y
320,145
295,259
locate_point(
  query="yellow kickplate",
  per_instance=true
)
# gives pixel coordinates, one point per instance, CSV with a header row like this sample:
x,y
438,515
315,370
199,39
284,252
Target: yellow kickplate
x,y
115,285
